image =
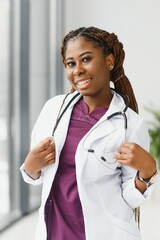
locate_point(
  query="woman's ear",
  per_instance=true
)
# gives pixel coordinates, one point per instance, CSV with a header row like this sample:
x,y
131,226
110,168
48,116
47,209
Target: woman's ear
x,y
110,61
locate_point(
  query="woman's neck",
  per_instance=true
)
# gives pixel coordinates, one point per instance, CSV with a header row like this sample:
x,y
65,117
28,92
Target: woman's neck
x,y
93,102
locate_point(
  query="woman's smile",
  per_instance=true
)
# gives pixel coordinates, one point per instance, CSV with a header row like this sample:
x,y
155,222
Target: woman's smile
x,y
83,83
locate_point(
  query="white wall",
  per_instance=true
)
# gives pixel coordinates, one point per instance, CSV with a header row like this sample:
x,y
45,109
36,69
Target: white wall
x,y
137,25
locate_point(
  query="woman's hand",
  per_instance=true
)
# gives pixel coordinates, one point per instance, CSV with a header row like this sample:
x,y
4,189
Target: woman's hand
x,y
39,157
134,156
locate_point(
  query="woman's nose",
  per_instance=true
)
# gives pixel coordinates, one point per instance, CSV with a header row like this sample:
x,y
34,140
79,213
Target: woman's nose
x,y
78,70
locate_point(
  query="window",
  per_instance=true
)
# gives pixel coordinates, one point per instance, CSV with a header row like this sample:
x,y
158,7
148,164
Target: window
x,y
4,92
26,62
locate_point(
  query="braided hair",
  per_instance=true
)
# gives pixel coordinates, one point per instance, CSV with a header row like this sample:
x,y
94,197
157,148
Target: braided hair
x,y
110,45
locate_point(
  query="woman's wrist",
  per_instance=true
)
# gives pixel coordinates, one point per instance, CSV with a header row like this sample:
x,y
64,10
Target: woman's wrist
x,y
148,172
148,180
33,175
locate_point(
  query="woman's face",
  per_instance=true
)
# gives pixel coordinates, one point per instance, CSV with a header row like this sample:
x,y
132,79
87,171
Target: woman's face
x,y
87,68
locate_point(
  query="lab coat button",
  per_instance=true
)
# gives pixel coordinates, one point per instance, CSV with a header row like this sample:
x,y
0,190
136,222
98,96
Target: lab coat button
x,y
90,150
103,159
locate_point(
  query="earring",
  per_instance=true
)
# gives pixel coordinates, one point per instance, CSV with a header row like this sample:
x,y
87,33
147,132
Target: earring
x,y
111,67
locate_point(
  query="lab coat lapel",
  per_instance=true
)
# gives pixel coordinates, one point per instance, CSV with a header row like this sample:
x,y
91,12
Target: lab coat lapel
x,y
104,126
61,131
100,130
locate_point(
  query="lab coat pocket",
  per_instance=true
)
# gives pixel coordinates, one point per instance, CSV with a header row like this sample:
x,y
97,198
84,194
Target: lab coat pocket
x,y
106,158
125,230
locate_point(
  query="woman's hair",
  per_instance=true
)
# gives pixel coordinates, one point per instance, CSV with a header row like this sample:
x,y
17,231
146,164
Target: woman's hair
x,y
110,44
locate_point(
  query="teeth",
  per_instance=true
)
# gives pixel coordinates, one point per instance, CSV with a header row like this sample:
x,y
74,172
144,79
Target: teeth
x,y
83,82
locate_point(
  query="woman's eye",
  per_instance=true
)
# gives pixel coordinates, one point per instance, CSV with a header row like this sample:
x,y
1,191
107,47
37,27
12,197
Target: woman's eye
x,y
70,64
86,59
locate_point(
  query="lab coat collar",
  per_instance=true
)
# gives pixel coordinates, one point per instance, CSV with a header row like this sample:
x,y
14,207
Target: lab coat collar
x,y
117,103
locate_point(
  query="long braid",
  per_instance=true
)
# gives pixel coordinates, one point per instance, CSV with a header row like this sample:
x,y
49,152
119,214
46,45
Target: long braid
x,y
118,77
110,44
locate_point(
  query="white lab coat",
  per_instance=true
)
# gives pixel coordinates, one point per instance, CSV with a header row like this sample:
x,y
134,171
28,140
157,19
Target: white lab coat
x,y
106,203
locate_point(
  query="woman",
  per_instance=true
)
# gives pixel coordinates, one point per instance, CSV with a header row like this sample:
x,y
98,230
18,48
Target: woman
x,y
94,172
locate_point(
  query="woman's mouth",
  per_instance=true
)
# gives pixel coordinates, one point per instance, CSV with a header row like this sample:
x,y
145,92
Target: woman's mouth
x,y
83,82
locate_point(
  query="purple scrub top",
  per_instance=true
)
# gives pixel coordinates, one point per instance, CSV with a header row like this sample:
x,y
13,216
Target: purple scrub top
x,y
63,211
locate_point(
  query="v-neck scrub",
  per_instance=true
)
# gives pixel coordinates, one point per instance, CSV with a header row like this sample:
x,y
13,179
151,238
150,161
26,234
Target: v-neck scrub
x,y
63,211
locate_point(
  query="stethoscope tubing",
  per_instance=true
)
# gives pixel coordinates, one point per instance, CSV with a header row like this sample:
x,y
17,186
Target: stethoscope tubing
x,y
122,113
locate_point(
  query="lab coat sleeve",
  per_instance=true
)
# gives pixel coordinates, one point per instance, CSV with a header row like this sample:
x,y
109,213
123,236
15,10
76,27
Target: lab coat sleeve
x,y
130,193
30,180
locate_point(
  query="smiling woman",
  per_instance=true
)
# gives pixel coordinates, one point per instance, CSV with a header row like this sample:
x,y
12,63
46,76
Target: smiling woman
x,y
103,45
90,176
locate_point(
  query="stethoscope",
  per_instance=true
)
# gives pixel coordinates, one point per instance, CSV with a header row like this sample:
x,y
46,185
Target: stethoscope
x,y
122,112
